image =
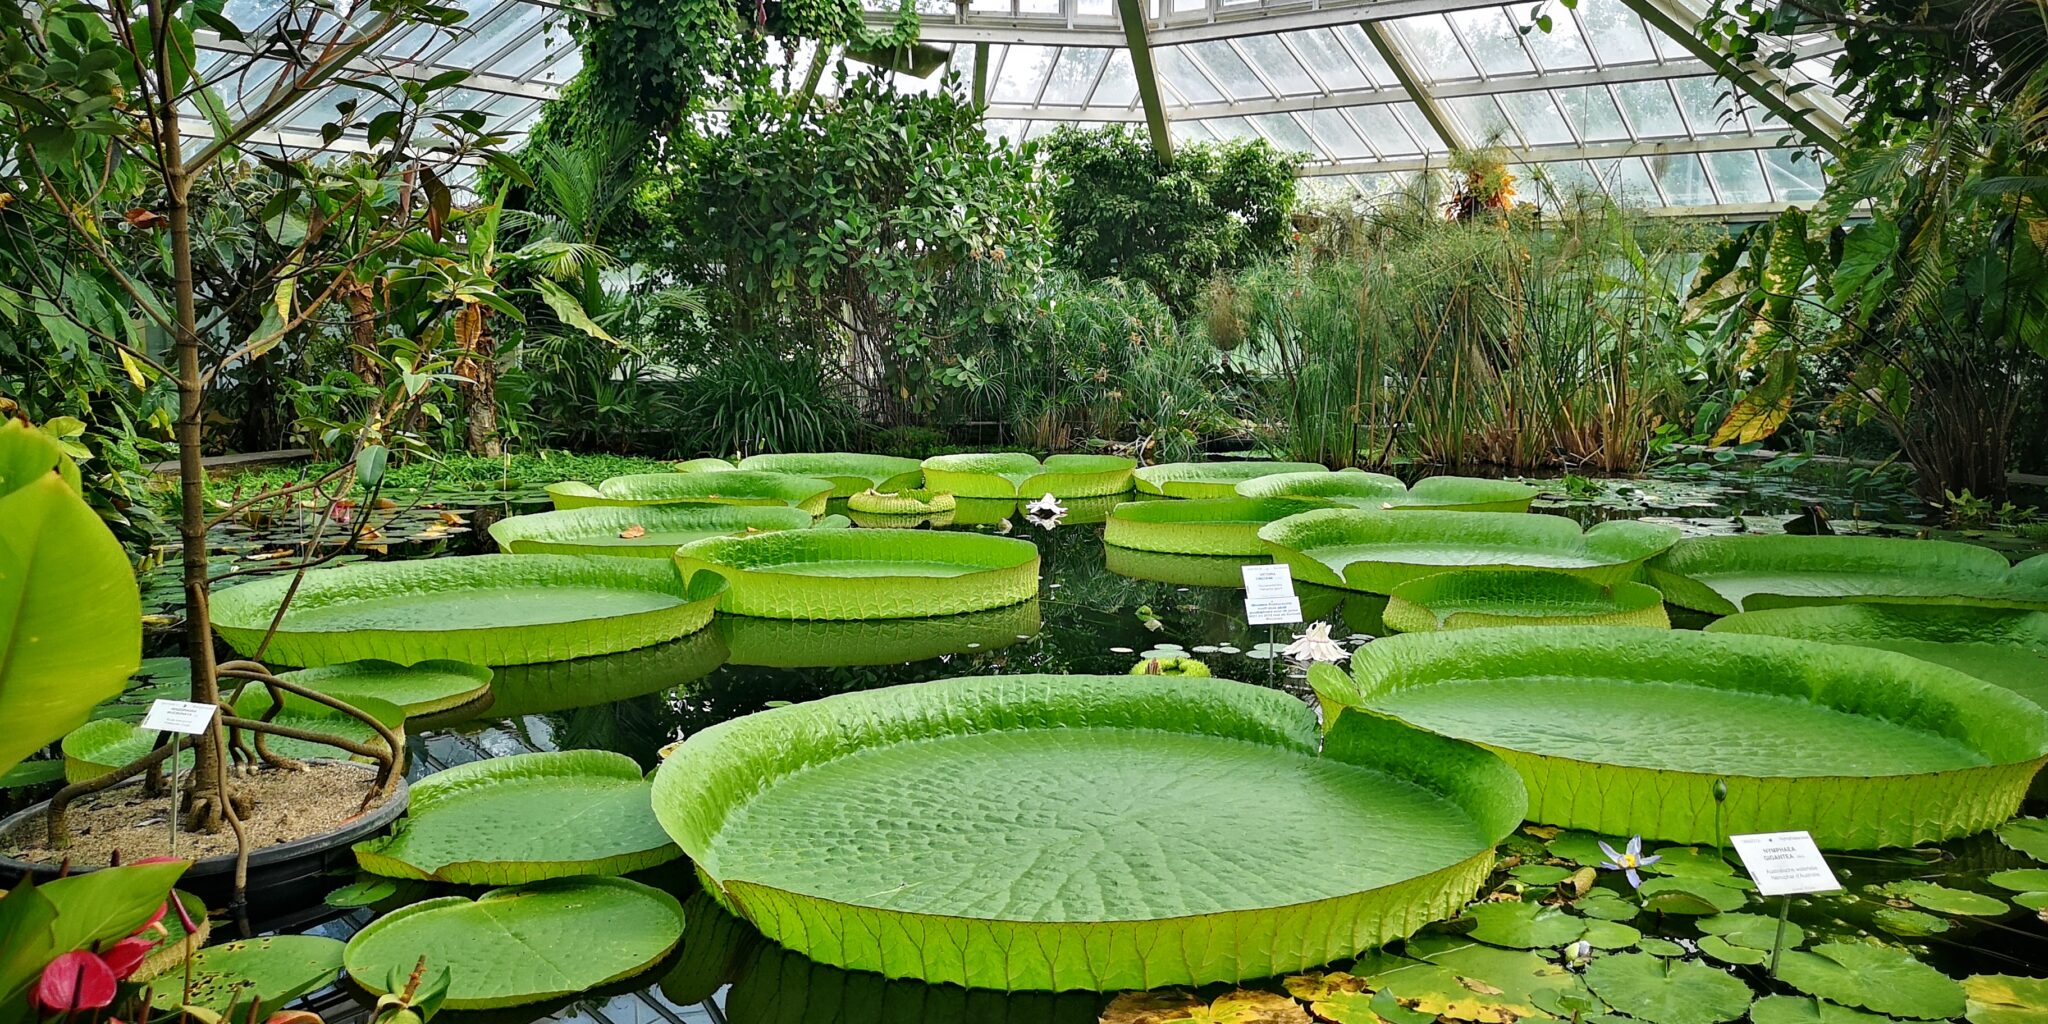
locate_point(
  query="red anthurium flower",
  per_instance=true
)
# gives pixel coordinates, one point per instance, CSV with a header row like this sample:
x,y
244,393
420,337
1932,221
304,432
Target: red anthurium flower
x,y
127,955
76,981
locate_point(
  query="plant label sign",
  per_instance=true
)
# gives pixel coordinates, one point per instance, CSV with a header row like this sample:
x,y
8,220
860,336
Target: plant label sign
x,y
178,716
1785,863
1269,596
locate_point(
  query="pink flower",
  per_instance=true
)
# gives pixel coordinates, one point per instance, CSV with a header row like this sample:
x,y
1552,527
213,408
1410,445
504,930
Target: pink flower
x,y
78,980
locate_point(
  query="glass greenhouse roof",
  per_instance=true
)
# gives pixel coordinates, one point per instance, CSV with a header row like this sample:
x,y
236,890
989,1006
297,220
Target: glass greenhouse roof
x,y
1618,94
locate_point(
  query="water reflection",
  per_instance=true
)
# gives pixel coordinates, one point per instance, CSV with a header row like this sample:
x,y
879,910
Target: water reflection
x,y
779,643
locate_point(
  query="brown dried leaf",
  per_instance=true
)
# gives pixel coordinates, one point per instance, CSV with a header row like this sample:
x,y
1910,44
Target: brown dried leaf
x,y
633,532
1155,1007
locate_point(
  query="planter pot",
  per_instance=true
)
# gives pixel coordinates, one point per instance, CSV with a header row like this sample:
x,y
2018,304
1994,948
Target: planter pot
x,y
284,880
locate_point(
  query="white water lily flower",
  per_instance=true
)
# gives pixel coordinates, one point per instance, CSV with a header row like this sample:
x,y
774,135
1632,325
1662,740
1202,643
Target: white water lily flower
x,y
1046,512
1316,645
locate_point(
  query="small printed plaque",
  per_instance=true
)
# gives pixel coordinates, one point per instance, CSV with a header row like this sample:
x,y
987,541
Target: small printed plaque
x,y
1269,596
1784,863
178,716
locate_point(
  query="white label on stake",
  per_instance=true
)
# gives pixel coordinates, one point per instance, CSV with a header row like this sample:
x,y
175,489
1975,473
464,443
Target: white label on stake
x,y
178,716
1272,611
1785,863
1266,581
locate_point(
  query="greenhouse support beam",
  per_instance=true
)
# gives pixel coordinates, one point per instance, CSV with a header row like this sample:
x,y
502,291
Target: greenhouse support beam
x,y
1133,14
1404,72
1752,78
981,76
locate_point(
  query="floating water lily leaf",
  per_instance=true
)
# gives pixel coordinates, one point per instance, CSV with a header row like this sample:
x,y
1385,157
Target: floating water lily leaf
x,y
1582,847
1378,551
1523,925
1883,979
2020,879
1378,491
1801,1010
1730,574
518,690
1664,991
1019,766
1661,947
1863,748
1540,874
523,818
849,472
866,574
1016,475
1210,479
1515,597
1908,923
525,944
2008,647
423,689
480,609
1699,862
1471,982
1240,1007
307,714
269,972
1754,931
2004,999
2032,900
735,487
362,893
2027,835
1727,952
1610,935
1669,895
644,532
1943,899
1201,526
919,503
1606,906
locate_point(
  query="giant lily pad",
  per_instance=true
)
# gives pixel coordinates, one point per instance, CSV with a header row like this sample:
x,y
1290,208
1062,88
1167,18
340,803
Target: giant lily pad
x,y
1725,575
70,613
1360,489
1203,526
732,487
1378,551
587,682
1181,570
1210,479
849,472
524,818
482,609
866,574
1095,829
646,532
913,506
525,944
305,713
1015,475
427,688
98,747
1998,645
1630,731
254,977
781,643
1476,599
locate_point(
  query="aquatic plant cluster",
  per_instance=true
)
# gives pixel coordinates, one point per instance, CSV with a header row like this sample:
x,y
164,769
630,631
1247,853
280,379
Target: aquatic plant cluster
x,y
1483,817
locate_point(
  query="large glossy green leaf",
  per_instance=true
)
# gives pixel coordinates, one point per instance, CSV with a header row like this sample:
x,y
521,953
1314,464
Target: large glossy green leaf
x,y
525,944
1360,489
730,487
820,643
1016,475
1477,599
70,613
1378,551
850,472
1725,575
2005,646
1629,732
41,922
642,531
481,609
523,818
1095,829
423,689
866,574
1201,526
1211,479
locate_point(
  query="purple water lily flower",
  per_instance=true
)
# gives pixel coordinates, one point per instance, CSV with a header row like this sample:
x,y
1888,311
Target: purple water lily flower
x,y
1628,862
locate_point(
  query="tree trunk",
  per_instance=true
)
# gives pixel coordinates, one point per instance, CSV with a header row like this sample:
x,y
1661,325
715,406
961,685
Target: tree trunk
x,y
479,365
362,356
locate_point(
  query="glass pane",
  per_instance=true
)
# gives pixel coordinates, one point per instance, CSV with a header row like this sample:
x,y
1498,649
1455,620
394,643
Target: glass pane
x,y
1618,36
494,35
1561,48
1373,185
1190,131
1481,120
1119,84
1384,132
1709,106
1794,181
1650,109
1493,41
1368,56
1682,179
1022,71
1562,183
535,49
1738,177
1073,75
1183,76
1038,7
1230,70
1004,128
565,66
1429,44
1279,66
1536,118
1287,136
1228,128
1040,128
1418,126
1336,133
1323,53
1627,181
1592,113
1094,8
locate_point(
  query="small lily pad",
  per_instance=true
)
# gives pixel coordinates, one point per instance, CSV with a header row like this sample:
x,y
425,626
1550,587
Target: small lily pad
x,y
1689,896
1244,1006
1470,982
1718,948
1523,925
362,893
2004,999
270,972
1667,991
2020,879
1911,924
2032,900
1660,947
1582,847
1701,862
1753,930
2027,835
1539,874
1606,906
1942,899
1610,935
1882,979
1806,1010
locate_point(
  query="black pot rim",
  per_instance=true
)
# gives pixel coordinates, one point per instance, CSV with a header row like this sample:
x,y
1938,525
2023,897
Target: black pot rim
x,y
373,821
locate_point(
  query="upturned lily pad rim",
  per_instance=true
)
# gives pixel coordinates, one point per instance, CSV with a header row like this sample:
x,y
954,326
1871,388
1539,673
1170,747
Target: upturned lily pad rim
x,y
715,772
1844,569
1200,526
570,531
1615,549
849,472
719,487
1867,622
1217,479
1019,475
1456,599
323,679
998,571
1361,489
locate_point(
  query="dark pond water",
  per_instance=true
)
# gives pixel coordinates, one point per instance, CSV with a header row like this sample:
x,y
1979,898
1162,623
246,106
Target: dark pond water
x,y
1097,611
